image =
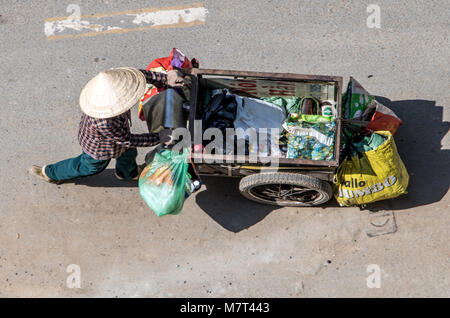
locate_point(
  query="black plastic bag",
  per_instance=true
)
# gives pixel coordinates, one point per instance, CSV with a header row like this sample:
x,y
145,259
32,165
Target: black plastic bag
x,y
220,112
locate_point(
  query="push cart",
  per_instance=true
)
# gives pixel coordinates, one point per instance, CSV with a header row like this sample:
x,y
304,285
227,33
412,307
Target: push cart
x,y
294,182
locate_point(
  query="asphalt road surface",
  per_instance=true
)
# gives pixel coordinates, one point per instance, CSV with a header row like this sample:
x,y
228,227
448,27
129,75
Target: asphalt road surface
x,y
221,245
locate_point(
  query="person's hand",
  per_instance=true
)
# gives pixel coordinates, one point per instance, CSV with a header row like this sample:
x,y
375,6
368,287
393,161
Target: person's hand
x,y
192,71
168,140
175,78
165,136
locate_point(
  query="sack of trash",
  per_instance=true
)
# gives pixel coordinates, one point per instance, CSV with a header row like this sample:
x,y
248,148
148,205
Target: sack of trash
x,y
372,171
165,182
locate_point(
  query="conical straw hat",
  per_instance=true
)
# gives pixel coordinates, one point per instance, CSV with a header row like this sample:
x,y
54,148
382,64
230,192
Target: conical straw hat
x,y
112,92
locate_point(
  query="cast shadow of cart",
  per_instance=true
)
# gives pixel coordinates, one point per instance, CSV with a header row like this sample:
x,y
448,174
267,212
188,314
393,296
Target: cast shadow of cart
x,y
224,204
418,142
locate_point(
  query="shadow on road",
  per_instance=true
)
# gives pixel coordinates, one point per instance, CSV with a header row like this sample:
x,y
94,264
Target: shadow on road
x,y
224,204
105,179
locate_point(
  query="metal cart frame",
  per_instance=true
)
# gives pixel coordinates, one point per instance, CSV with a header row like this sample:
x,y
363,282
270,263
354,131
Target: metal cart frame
x,y
309,175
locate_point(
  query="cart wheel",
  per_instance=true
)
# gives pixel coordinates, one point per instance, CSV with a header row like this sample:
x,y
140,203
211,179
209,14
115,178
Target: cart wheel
x,y
285,189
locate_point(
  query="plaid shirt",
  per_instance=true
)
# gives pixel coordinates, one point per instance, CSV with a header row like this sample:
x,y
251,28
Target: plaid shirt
x,y
108,138
155,78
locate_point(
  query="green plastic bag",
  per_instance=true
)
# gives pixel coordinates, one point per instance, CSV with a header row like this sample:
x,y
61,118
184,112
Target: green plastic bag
x,y
289,104
165,183
297,118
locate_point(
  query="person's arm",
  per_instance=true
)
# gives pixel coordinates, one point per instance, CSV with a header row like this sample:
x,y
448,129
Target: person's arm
x,y
173,78
155,78
116,130
144,140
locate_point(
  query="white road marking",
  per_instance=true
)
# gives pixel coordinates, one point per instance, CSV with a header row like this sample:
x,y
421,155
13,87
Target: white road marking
x,y
129,21
51,28
168,17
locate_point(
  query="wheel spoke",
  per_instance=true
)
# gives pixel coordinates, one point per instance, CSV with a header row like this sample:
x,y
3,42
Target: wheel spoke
x,y
301,191
285,192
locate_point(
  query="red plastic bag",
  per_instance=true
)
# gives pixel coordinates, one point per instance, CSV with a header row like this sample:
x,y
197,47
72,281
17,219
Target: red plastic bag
x,y
383,119
164,64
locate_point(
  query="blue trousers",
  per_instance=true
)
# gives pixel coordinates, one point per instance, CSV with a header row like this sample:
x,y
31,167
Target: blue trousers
x,y
84,165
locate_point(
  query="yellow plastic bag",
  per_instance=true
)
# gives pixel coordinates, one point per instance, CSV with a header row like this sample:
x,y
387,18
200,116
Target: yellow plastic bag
x,y
371,176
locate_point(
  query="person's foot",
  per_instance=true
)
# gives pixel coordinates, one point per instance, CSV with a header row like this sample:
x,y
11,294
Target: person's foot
x,y
40,173
134,179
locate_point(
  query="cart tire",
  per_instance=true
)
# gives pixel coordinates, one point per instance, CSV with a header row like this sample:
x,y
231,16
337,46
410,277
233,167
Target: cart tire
x,y
285,189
